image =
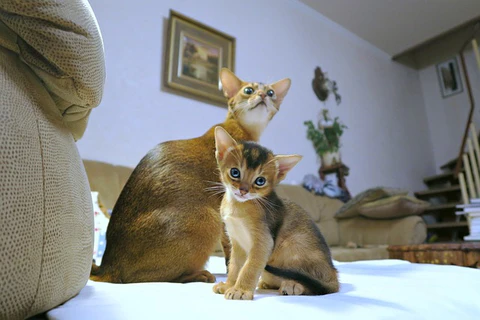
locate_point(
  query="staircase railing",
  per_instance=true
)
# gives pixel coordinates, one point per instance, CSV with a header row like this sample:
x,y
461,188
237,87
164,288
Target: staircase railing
x,y
470,178
474,44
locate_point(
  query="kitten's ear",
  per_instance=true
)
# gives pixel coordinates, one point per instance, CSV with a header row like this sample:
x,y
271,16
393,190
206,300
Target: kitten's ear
x,y
223,141
286,163
281,88
230,83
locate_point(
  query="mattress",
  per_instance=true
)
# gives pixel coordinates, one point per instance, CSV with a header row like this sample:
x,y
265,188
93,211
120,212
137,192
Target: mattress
x,y
381,289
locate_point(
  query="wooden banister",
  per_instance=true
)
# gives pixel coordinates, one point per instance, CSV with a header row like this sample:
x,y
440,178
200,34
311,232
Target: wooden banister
x,y
458,166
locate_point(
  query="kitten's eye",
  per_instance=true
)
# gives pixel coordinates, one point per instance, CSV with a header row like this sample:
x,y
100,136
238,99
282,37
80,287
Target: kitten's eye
x,y
248,90
270,93
260,181
235,173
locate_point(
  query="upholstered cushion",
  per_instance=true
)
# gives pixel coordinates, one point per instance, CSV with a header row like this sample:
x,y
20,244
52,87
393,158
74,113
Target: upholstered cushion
x,y
350,209
107,179
46,213
393,207
322,209
61,43
365,231
46,220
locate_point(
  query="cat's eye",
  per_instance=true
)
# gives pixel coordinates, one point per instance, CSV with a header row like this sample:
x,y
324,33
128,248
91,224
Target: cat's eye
x,y
270,93
235,173
248,90
260,181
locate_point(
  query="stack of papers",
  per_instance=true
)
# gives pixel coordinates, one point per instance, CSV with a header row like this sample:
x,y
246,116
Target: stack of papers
x,y
472,212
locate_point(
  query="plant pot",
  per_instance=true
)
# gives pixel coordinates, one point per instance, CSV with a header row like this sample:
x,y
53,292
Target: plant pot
x,y
330,158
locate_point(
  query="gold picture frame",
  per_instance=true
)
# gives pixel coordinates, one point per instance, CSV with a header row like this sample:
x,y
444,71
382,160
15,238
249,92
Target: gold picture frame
x,y
195,55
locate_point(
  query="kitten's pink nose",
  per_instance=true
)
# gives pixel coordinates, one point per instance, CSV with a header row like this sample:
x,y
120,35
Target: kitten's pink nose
x,y
263,95
243,190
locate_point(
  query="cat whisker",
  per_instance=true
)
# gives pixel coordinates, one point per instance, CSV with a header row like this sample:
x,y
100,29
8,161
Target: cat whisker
x,y
217,192
268,204
260,204
214,182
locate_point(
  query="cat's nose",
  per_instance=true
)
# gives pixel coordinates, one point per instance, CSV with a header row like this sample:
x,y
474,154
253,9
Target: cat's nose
x,y
262,94
243,190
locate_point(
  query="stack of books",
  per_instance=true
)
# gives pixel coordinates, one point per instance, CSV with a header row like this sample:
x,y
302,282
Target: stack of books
x,y
472,212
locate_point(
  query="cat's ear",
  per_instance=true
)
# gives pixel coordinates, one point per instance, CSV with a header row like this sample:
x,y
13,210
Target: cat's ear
x,y
223,141
286,163
281,88
231,84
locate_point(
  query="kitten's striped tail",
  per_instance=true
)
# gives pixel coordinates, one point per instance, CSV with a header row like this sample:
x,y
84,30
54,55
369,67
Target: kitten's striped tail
x,y
314,286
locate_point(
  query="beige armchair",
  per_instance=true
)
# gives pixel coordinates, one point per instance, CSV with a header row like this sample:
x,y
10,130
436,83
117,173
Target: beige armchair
x,y
51,75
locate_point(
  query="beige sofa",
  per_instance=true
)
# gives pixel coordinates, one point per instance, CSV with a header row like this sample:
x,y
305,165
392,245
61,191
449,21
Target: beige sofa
x,y
373,236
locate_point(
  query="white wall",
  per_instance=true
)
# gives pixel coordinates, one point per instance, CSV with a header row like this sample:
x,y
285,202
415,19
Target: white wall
x,y
386,143
447,117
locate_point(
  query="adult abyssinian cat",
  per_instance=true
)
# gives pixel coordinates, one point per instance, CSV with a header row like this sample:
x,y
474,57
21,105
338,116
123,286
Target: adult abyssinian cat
x,y
268,234
166,221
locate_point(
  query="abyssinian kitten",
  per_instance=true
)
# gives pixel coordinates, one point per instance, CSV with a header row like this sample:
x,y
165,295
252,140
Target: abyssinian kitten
x,y
166,221
270,237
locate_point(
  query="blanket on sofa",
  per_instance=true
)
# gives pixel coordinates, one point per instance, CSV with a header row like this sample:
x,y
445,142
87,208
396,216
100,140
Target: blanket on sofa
x,y
381,289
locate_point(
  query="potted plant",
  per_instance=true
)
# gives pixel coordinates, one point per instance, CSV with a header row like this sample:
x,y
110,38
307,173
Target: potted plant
x,y
326,138
326,135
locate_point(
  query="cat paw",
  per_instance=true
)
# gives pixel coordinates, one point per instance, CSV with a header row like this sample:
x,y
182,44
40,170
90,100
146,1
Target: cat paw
x,y
263,285
206,276
238,294
199,276
291,288
220,287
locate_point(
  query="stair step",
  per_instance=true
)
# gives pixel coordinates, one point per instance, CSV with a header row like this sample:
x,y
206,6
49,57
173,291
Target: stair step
x,y
450,165
425,194
440,178
453,224
441,207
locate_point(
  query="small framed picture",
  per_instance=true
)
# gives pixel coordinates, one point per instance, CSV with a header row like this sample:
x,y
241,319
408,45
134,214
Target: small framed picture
x,y
195,55
449,77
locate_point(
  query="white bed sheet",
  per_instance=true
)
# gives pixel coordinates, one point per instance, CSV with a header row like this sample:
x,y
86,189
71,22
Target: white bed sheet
x,y
381,289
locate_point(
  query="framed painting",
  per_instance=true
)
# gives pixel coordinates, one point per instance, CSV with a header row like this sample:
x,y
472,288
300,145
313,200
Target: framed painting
x,y
449,77
195,55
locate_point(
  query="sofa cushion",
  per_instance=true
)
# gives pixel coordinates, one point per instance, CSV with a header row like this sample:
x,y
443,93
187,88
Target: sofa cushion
x,y
350,209
393,207
363,231
51,75
107,179
61,43
46,220
322,209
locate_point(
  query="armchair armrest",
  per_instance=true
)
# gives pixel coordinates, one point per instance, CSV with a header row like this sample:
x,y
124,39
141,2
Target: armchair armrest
x,y
363,231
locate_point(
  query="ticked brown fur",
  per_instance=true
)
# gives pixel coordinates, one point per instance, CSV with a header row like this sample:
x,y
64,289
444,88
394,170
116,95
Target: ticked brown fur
x,y
166,221
270,237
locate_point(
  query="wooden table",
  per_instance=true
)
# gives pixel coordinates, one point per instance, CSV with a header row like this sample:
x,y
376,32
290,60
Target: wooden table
x,y
466,254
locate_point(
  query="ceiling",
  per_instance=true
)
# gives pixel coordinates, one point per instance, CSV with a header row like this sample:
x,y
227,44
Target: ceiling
x,y
395,26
